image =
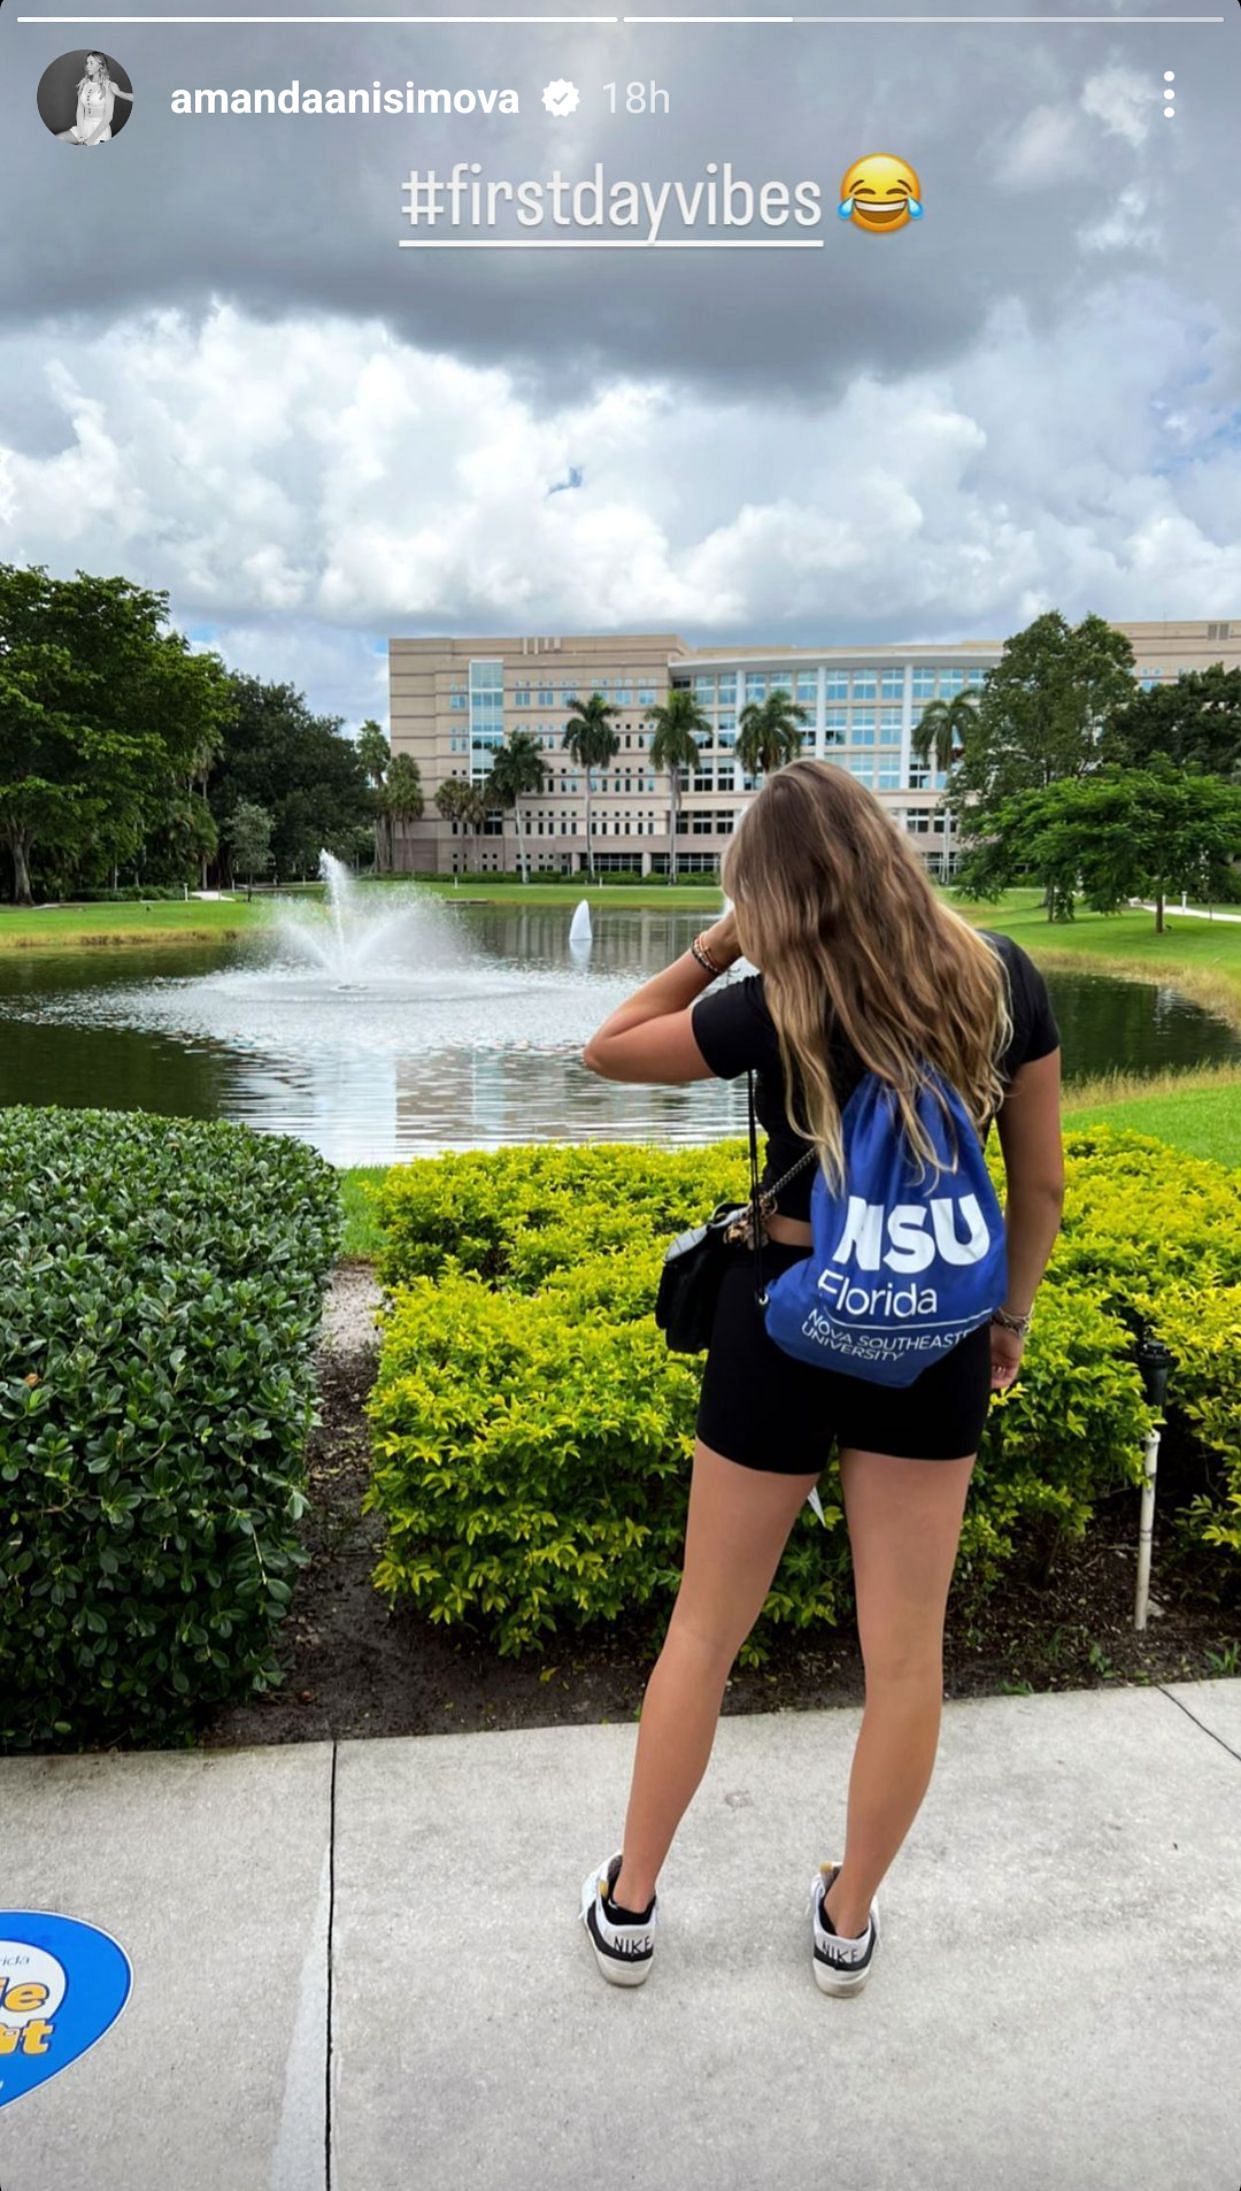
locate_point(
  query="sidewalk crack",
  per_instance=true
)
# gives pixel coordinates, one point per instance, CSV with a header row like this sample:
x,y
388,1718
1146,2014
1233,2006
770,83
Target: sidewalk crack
x,y
331,1914
1203,1729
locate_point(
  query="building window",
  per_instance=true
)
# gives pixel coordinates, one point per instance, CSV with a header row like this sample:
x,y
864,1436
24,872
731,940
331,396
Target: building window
x,y
1219,631
837,721
892,684
865,684
862,727
837,684
889,772
924,684
863,767
808,686
521,696
951,682
728,687
976,676
890,725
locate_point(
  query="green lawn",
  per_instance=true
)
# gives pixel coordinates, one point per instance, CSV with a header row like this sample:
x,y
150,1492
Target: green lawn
x,y
1202,957
79,927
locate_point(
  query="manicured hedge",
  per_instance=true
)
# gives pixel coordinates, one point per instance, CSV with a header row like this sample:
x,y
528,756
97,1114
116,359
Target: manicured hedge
x,y
160,1294
533,1432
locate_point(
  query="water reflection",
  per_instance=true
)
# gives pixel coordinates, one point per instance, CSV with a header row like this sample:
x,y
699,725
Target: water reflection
x,y
466,1031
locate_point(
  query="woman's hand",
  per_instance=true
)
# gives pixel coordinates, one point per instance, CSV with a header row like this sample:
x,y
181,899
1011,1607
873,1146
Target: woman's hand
x,y
722,940
1007,1348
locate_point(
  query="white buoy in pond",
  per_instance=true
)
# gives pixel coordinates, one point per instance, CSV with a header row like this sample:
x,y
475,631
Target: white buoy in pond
x,y
580,930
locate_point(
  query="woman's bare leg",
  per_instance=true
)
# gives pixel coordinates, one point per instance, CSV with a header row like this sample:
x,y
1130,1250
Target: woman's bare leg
x,y
738,1523
904,1522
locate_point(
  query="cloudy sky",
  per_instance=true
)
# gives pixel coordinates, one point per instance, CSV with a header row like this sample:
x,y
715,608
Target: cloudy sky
x,y
220,376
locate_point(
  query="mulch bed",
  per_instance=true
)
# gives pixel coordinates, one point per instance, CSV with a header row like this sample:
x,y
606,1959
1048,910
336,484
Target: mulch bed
x,y
357,1668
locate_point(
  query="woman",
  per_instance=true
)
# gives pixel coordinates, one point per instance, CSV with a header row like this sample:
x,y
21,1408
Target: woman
x,y
861,966
97,96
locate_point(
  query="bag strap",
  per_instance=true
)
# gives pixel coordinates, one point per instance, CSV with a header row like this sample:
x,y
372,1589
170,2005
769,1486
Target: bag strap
x,y
760,1291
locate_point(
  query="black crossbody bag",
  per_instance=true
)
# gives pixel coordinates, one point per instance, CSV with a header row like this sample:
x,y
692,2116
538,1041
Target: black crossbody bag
x,y
689,1281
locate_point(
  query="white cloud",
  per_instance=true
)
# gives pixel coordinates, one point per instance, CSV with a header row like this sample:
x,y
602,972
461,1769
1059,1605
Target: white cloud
x,y
1124,227
300,486
1123,101
1044,148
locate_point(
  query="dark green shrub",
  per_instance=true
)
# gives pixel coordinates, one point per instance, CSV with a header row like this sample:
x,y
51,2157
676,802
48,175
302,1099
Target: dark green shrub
x,y
159,1302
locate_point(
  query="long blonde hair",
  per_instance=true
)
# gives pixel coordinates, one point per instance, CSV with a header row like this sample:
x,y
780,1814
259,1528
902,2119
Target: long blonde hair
x,y
86,80
835,908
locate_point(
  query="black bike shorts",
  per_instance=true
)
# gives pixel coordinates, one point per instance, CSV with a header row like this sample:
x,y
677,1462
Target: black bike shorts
x,y
763,1408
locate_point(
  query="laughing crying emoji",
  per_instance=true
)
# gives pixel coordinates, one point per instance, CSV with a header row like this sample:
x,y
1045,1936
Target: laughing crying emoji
x,y
880,193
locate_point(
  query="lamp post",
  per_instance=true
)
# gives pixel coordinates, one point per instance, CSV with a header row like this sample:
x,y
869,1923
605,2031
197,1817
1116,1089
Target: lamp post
x,y
1154,1363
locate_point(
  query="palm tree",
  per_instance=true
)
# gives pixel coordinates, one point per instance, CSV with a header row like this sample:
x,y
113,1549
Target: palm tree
x,y
517,769
769,735
374,754
460,801
679,723
590,738
945,725
402,796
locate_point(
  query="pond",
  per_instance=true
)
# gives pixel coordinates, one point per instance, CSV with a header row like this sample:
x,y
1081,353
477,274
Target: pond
x,y
441,1026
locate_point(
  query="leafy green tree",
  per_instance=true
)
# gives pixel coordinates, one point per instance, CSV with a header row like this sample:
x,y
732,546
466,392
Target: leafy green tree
x,y
590,738
1121,834
1044,709
104,720
311,779
517,771
248,831
943,731
1042,716
1195,720
680,725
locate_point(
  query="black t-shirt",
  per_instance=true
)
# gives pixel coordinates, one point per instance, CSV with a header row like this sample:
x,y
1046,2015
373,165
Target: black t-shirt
x,y
734,1030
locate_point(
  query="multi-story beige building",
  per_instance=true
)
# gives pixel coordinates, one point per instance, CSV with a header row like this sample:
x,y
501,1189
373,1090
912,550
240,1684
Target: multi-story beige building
x,y
454,701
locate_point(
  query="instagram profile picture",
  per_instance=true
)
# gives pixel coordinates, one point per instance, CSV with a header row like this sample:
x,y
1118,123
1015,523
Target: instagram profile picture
x,y
85,98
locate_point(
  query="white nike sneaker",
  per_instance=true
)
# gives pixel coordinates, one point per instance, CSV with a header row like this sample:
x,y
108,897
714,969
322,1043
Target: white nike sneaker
x,y
840,1966
623,1952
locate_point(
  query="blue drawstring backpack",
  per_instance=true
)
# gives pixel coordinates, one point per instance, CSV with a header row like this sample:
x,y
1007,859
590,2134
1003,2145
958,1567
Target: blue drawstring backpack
x,y
901,1268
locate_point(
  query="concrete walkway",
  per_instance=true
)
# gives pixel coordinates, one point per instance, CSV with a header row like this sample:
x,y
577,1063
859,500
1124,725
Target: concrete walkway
x,y
360,1967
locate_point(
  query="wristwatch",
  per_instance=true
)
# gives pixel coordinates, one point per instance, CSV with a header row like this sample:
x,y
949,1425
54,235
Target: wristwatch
x,y
1019,1324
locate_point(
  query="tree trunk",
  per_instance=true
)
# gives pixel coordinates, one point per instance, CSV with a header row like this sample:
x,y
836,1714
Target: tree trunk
x,y
521,842
675,788
22,894
590,842
1159,911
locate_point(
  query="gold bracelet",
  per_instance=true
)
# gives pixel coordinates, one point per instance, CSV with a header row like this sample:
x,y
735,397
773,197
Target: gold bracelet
x,y
699,951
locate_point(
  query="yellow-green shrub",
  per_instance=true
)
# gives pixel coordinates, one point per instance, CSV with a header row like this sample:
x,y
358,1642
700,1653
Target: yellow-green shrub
x,y
533,1432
